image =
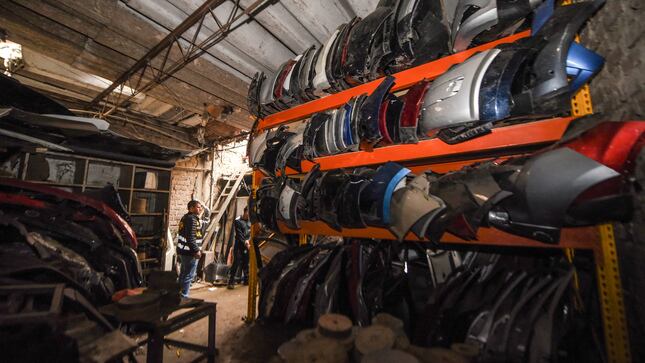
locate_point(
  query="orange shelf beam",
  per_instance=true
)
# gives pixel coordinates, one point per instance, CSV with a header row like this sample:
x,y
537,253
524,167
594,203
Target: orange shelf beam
x,y
404,79
441,167
579,238
503,138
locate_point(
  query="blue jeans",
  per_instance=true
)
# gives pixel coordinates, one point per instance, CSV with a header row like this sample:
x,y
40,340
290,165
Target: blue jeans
x,y
187,272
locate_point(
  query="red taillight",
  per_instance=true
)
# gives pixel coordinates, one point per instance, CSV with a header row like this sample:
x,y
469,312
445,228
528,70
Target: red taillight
x,y
614,144
613,186
382,123
412,104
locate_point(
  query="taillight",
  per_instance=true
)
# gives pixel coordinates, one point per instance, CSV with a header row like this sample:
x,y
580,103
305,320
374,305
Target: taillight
x,y
613,186
613,144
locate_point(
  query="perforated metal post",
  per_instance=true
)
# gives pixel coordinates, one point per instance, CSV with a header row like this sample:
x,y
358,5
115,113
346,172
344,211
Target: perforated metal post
x,y
607,272
581,102
611,298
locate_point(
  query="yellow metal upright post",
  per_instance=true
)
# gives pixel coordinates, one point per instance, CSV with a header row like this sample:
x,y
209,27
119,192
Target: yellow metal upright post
x,y
607,271
611,298
253,266
581,102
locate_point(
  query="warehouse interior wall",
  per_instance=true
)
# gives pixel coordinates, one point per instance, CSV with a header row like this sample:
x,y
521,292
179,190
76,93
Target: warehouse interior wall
x,y
191,179
616,32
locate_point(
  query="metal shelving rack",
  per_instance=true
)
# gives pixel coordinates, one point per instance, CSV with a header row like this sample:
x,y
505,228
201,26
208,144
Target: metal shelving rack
x,y
502,142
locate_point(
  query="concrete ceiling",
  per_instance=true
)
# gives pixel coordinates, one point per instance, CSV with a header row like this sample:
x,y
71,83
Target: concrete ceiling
x,y
74,49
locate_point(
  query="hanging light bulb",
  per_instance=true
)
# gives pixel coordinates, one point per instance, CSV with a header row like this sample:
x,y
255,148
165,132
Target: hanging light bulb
x,y
11,56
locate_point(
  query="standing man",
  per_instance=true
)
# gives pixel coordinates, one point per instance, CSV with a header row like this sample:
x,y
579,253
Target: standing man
x,y
241,228
189,245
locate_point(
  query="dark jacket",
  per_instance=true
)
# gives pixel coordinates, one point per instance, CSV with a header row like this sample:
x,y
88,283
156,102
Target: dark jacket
x,y
189,240
242,233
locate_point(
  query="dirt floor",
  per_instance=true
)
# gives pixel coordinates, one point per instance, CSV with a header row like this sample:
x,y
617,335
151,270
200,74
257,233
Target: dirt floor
x,y
236,340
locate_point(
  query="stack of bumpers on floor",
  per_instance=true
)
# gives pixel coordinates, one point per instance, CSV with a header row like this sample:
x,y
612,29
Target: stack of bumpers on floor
x,y
488,307
400,34
583,180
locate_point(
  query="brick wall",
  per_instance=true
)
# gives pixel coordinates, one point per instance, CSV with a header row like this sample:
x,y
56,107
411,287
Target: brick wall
x,y
230,159
187,184
616,33
191,178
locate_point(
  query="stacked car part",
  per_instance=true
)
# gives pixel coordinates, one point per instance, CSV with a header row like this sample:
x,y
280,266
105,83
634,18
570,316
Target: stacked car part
x,y
490,307
516,195
62,255
303,283
395,36
514,82
512,309
82,239
404,33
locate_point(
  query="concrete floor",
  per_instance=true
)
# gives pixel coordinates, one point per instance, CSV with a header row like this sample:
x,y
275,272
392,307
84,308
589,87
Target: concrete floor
x,y
236,340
